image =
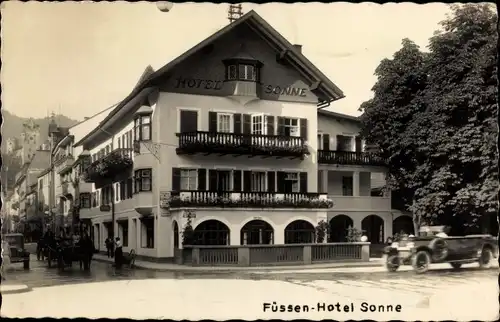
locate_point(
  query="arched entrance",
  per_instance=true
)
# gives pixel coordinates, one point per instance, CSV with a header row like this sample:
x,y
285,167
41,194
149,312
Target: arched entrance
x,y
175,229
403,224
256,232
299,232
211,232
338,228
373,227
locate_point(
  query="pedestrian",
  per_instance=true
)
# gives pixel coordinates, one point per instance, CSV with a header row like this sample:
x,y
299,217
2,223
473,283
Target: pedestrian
x,y
118,253
108,247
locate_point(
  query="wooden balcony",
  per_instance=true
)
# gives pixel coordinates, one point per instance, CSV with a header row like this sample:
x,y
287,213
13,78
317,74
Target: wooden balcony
x,y
349,158
241,144
230,199
111,168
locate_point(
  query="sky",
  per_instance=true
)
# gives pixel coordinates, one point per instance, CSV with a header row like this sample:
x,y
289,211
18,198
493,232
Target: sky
x,y
79,58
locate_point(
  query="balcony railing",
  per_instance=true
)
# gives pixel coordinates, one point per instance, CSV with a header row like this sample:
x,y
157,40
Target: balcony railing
x,y
110,168
257,255
349,158
241,144
249,200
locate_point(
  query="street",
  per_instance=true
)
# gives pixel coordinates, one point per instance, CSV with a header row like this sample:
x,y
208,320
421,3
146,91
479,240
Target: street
x,y
417,294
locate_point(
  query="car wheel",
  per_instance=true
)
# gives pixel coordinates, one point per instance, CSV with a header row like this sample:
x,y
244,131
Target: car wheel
x,y
439,248
421,261
391,262
485,258
456,265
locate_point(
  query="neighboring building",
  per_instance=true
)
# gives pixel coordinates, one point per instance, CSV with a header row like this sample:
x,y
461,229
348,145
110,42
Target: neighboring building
x,y
11,145
63,177
355,181
225,137
30,140
27,178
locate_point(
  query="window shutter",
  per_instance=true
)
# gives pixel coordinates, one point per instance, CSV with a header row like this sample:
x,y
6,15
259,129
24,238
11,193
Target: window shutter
x,y
189,121
270,125
247,124
281,126
280,178
122,190
237,123
130,187
247,181
271,181
303,182
359,146
212,122
176,179
202,179
339,143
212,180
326,142
303,129
237,180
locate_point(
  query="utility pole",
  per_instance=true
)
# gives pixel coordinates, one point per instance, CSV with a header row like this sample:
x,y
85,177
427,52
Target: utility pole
x,y
235,12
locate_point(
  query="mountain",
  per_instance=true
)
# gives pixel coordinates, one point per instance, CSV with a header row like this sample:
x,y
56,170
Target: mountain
x,y
12,125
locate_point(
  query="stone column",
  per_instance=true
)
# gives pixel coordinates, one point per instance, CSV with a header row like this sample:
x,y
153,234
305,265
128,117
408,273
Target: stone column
x,y
355,183
324,182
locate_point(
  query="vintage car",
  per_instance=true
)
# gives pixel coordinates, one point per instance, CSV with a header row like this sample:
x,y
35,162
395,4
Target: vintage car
x,y
434,246
18,253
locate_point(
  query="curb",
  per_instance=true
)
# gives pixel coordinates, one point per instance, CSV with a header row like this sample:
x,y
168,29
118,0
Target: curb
x,y
14,289
211,269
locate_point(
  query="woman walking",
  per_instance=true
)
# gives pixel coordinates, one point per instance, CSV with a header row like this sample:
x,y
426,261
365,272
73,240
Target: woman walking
x,y
118,253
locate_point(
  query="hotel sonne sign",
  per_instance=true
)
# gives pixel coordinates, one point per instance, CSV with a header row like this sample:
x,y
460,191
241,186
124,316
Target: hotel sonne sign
x,y
217,85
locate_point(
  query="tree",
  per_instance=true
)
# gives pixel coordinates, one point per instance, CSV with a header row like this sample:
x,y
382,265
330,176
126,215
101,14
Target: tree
x,y
385,117
188,233
11,165
434,117
462,97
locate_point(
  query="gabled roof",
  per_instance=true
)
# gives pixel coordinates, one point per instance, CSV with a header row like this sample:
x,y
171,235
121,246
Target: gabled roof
x,y
285,49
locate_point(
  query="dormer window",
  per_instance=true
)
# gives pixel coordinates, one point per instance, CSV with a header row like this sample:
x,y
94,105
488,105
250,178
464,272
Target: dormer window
x,y
242,72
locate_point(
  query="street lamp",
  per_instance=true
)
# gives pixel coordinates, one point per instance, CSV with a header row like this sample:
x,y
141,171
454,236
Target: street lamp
x,y
164,6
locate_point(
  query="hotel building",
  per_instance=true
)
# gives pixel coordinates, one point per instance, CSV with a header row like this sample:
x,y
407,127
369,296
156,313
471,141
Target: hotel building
x,y
232,138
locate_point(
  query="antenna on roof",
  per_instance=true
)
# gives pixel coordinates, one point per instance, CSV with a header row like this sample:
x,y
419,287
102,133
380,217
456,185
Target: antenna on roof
x,y
235,12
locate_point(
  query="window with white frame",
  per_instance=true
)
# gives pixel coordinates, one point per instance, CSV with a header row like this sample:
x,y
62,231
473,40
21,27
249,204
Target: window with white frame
x,y
291,127
259,124
259,182
292,182
143,180
224,123
247,72
189,179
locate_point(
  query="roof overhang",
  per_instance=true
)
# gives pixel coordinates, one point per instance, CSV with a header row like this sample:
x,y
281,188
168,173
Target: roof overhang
x,y
339,116
101,132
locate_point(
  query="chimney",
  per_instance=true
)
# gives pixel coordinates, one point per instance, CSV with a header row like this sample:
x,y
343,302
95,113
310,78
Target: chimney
x,y
298,48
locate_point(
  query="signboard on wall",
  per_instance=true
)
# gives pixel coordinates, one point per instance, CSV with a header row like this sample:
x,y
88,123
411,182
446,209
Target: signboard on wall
x,y
217,85
165,199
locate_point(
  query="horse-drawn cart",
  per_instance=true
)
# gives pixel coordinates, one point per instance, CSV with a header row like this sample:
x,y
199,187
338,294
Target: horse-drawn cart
x,y
65,253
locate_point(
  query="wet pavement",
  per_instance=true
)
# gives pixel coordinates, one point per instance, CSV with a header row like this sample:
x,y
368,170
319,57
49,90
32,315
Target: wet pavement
x,y
41,276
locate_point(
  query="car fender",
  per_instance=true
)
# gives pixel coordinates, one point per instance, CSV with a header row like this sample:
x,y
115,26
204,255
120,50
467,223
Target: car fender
x,y
388,250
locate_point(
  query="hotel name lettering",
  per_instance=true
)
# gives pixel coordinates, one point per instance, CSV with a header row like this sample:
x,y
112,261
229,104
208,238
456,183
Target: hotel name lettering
x,y
217,85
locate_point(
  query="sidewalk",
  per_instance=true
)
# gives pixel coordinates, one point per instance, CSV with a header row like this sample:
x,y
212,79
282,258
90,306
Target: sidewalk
x,y
185,268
